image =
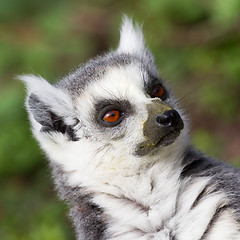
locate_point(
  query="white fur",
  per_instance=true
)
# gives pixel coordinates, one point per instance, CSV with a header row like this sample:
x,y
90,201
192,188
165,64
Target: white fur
x,y
131,38
225,228
161,219
145,213
53,97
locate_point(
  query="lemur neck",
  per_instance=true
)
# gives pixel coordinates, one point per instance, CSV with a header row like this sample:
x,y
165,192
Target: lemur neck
x,y
146,199
145,189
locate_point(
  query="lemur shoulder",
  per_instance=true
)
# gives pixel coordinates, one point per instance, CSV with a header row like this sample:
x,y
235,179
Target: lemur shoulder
x,y
117,142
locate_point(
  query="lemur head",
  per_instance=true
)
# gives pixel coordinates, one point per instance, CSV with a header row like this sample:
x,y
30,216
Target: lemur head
x,y
113,115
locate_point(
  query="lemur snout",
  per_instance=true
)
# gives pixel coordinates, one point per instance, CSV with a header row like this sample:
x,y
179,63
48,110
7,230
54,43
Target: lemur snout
x,y
162,128
170,120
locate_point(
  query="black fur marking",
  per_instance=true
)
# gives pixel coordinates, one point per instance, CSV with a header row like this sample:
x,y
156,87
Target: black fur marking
x,y
40,111
223,178
152,185
171,236
215,217
202,194
176,209
50,121
59,126
129,201
135,230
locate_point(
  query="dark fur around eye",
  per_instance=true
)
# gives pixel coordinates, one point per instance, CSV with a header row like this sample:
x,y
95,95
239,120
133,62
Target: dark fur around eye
x,y
103,107
155,83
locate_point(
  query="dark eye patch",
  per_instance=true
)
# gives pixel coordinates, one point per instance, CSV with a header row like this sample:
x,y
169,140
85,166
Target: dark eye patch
x,y
156,89
110,113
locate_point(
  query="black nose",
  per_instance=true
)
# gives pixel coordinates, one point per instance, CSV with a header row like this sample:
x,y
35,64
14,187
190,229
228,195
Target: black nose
x,y
170,120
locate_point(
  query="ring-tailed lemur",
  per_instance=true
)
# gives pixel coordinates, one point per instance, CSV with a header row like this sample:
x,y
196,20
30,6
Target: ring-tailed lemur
x,y
120,155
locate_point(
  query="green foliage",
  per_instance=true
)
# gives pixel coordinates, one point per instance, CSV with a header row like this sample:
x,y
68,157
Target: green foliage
x,y
225,12
19,153
207,142
196,45
30,210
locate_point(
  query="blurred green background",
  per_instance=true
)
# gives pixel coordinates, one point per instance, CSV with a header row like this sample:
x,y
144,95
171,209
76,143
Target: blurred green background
x,y
197,48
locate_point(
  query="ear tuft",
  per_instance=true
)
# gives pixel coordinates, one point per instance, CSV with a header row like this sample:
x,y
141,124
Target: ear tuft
x,y
49,106
131,37
53,97
33,83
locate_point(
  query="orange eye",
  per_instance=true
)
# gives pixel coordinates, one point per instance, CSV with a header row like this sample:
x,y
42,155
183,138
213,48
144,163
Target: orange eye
x,y
111,116
158,91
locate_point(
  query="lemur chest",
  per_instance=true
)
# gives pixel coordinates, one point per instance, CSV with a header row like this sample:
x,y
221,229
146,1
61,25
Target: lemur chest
x,y
180,210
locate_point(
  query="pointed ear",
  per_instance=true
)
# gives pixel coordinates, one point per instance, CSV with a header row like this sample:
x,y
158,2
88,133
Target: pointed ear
x,y
50,109
131,38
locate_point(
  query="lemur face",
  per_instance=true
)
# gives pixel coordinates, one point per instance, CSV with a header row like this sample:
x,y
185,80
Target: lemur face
x,y
113,115
130,110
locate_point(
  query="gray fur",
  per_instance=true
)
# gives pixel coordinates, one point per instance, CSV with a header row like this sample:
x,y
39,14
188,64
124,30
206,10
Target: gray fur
x,y
41,112
224,177
46,116
93,221
86,217
95,68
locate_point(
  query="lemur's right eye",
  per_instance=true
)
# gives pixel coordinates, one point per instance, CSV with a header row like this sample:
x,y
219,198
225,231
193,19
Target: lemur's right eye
x,y
111,116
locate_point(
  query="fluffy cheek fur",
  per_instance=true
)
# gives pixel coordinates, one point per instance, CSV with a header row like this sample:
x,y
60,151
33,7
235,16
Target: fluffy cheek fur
x,y
89,162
